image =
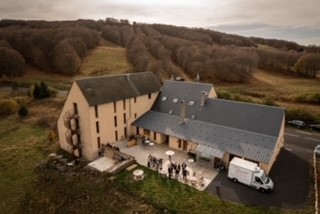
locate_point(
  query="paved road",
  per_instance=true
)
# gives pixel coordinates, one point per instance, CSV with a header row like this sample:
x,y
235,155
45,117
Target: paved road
x,y
290,173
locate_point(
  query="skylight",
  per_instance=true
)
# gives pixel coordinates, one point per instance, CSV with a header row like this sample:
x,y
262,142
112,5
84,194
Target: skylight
x,y
191,103
164,99
175,100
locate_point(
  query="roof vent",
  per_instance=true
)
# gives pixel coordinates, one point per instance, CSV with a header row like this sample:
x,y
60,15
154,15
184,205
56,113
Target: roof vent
x,y
164,99
175,100
183,110
171,111
204,95
191,103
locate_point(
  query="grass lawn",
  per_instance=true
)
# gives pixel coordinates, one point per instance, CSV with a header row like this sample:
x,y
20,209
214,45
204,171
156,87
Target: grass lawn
x,y
176,197
106,60
281,89
21,148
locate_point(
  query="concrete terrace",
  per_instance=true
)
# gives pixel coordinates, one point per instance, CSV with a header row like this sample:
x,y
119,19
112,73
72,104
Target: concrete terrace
x,y
200,167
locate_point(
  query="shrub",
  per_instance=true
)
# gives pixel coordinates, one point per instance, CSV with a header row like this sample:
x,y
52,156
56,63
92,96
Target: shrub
x,y
41,91
300,114
23,111
310,98
269,101
224,95
8,107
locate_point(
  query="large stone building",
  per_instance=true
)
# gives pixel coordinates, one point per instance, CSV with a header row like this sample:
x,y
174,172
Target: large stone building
x,y
185,116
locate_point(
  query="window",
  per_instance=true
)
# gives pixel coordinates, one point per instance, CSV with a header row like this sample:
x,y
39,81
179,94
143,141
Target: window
x,y
96,111
154,135
115,121
175,100
125,131
137,131
97,127
164,99
75,108
149,96
116,135
124,118
98,141
115,106
146,132
124,104
179,144
135,115
185,145
135,99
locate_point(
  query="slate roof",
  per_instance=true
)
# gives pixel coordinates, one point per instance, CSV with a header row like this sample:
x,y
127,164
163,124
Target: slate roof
x,y
219,138
105,89
243,129
250,117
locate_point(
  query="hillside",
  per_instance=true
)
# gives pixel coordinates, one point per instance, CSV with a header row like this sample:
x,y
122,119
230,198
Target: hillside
x,y
164,49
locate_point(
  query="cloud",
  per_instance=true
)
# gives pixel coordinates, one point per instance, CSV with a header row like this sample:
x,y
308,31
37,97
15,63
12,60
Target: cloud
x,y
201,13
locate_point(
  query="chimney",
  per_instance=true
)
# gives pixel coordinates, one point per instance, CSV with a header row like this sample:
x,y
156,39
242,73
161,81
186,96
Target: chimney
x,y
183,111
204,95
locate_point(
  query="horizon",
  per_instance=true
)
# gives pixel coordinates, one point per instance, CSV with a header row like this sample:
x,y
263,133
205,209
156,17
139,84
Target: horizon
x,y
285,20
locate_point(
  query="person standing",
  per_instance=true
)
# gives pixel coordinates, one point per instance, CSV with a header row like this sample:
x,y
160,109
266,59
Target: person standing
x,y
217,185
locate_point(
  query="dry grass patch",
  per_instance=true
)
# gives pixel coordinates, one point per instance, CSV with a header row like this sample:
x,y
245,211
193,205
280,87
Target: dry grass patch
x,y
106,60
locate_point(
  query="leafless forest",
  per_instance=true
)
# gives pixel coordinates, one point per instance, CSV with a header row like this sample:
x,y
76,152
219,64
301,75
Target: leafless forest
x,y
166,50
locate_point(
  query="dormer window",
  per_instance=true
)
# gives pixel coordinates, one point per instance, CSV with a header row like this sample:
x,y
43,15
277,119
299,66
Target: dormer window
x,y
175,100
191,103
164,99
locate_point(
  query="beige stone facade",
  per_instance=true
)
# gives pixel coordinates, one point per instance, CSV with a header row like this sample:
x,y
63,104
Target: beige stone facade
x,y
84,128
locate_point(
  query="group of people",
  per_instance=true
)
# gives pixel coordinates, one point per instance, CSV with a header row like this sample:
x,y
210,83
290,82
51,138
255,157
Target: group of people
x,y
177,171
154,162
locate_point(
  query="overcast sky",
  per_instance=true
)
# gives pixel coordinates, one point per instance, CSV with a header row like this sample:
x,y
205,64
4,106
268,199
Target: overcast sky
x,y
297,20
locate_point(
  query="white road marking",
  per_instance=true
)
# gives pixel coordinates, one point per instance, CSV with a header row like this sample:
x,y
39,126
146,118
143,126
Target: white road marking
x,y
312,139
292,135
302,132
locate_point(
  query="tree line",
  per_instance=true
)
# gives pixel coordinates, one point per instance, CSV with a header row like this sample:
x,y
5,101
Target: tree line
x,y
45,45
164,49
212,54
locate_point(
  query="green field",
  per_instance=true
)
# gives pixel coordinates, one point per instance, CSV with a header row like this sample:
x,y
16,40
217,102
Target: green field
x,y
22,146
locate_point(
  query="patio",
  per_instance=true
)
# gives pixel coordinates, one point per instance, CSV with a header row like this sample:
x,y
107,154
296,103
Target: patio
x,y
201,172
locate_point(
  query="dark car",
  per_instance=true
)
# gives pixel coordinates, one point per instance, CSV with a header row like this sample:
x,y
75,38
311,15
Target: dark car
x,y
315,127
297,123
317,150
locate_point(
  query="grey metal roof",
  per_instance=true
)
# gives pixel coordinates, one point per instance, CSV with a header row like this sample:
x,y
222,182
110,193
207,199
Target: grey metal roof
x,y
209,151
105,89
250,117
254,146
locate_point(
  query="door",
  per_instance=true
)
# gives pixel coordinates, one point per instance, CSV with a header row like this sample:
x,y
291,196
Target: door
x,y
185,145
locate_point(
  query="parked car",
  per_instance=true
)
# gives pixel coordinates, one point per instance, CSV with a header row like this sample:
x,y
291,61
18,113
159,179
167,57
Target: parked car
x,y
297,123
178,78
315,127
317,150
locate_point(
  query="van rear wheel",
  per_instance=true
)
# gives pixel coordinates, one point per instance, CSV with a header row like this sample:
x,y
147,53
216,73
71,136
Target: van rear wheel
x,y
262,190
235,180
